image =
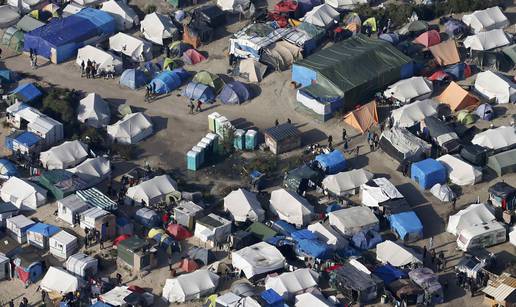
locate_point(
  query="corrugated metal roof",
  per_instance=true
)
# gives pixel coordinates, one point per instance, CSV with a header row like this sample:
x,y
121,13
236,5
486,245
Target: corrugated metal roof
x,y
282,131
499,293
97,199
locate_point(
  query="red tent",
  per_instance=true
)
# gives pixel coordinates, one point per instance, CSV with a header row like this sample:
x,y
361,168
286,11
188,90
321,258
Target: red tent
x,y
121,238
189,265
438,76
136,289
429,38
192,57
178,232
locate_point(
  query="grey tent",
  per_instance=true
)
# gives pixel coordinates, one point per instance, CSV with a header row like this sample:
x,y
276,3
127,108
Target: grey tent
x,y
503,163
442,192
442,134
199,91
201,254
402,145
356,284
252,70
28,23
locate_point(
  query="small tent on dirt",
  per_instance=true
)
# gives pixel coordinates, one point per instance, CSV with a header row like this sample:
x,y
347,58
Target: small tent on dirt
x,y
411,114
291,207
252,70
465,117
199,91
445,53
395,254
125,17
131,129
322,16
429,38
94,111
243,205
157,28
209,79
106,60
192,57
165,82
346,183
485,111
495,86
457,97
234,92
409,89
133,78
485,20
363,117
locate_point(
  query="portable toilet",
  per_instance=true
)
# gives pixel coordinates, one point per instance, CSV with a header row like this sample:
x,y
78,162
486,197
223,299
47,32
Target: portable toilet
x,y
211,121
192,160
214,138
209,142
251,139
222,125
238,141
201,154
205,149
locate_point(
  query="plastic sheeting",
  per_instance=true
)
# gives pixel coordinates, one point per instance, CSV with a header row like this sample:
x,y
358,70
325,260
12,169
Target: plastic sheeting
x,y
157,27
409,89
395,254
485,20
60,281
332,163
377,191
322,16
23,194
474,214
428,172
460,172
136,49
410,114
66,155
487,40
457,97
234,93
152,191
291,207
94,111
442,192
258,259
346,182
496,138
131,129
494,86
243,205
407,225
190,286
328,235
290,283
402,145
353,220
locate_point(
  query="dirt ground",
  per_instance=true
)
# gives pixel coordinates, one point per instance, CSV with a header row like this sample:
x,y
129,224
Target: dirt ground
x,y
177,132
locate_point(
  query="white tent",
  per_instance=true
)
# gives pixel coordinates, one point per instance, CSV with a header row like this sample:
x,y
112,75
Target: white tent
x,y
410,114
125,17
378,191
460,172
495,87
496,138
353,220
345,4
442,192
310,300
60,281
190,286
138,50
82,265
131,129
23,194
486,40
257,259
72,9
327,234
106,60
66,155
291,207
345,183
94,111
116,296
93,170
157,27
395,254
85,3
488,19
322,16
512,237
8,16
408,89
234,6
291,283
243,205
153,190
473,215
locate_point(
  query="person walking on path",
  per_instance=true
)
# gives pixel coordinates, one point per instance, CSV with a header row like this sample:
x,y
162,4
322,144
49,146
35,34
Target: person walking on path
x,y
199,105
330,141
344,134
192,107
83,66
289,121
357,151
346,145
424,253
170,262
276,123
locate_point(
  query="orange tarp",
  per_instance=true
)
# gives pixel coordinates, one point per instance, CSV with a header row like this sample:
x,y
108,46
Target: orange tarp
x,y
445,53
457,97
363,118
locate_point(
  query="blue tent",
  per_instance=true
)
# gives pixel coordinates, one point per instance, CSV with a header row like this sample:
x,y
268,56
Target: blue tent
x,y
332,163
183,74
283,227
199,91
428,172
272,298
407,225
7,76
133,78
313,248
456,71
303,234
388,273
27,92
7,168
165,82
485,111
234,92
392,38
366,240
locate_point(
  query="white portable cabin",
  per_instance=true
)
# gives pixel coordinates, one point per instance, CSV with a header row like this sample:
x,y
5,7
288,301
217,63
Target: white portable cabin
x,y
352,220
49,129
152,191
89,217
63,244
481,235
66,155
70,208
212,229
186,213
17,227
23,194
82,265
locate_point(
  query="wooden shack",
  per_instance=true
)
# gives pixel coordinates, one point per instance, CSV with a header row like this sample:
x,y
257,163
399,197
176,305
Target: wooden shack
x,y
282,138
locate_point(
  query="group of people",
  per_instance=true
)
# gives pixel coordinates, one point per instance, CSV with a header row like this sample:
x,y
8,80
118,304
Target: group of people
x,y
473,284
373,140
197,106
89,69
93,235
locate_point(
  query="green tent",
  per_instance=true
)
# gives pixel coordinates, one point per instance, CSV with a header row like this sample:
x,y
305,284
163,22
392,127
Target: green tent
x,y
209,79
297,179
261,231
503,163
414,27
13,39
465,117
60,183
171,64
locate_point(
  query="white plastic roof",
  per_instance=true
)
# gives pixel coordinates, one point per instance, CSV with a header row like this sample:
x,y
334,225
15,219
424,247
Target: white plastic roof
x,y
322,15
63,156
289,283
94,111
60,281
495,87
410,114
486,40
131,129
373,196
460,172
327,234
472,215
311,300
157,27
135,48
104,59
291,207
408,89
346,182
353,220
488,19
496,138
243,205
395,254
125,17
93,170
23,194
152,189
257,259
190,286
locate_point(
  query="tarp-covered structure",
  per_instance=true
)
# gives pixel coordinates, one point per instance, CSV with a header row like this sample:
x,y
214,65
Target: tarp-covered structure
x,y
136,49
291,207
442,134
411,114
503,163
486,40
496,87
328,235
408,89
290,283
281,55
395,254
443,192
8,16
152,191
406,225
7,169
445,53
332,162
378,191
402,145
66,155
363,118
457,97
252,70
106,61
250,41
485,20
23,193
125,17
157,28
131,129
473,215
428,172
353,220
460,172
60,281
94,111
257,259
497,139
346,183
243,205
190,286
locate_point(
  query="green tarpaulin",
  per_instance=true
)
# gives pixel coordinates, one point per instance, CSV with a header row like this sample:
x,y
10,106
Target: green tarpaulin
x,y
261,231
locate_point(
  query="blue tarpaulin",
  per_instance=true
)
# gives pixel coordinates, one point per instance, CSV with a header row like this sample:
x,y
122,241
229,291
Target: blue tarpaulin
x,y
7,168
456,71
234,92
133,78
407,225
199,91
313,248
272,298
303,234
283,227
165,82
332,163
7,76
27,139
388,273
428,172
45,230
27,92
366,240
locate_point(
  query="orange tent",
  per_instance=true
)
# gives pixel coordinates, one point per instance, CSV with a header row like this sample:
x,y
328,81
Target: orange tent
x,y
353,27
188,265
363,118
191,37
445,53
428,38
457,97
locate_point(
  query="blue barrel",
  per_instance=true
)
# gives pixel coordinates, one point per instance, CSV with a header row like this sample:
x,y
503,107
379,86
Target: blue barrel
x,y
251,139
191,160
238,141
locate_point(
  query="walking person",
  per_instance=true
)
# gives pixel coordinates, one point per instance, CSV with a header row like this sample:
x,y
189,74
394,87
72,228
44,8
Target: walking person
x,y
424,253
330,141
88,69
346,145
289,121
83,66
344,134
192,107
199,105
170,263
357,151
276,123
376,140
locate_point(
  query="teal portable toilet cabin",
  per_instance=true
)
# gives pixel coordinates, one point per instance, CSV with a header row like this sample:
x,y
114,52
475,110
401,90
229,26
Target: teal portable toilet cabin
x,y
239,140
251,139
201,154
205,152
191,160
214,139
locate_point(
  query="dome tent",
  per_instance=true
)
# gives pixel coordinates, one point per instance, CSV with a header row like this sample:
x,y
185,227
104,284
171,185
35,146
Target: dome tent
x,y
485,111
165,82
13,39
234,93
199,91
465,117
209,79
192,57
133,78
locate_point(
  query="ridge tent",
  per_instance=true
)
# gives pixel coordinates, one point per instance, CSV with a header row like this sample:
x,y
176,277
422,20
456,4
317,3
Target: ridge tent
x,y
402,145
152,191
331,163
497,139
209,79
136,49
503,163
257,259
280,55
486,40
457,97
158,27
165,82
395,254
363,118
411,114
107,61
291,207
92,171
442,192
474,214
353,220
495,86
171,64
125,17
198,91
8,16
346,183
445,53
325,233
7,169
133,78
243,205
94,111
131,129
408,89
485,20
460,172
429,38
27,23
289,283
376,192
192,57
23,193
253,70
485,111
428,172
465,117
406,225
322,16
178,232
66,155
234,92
59,281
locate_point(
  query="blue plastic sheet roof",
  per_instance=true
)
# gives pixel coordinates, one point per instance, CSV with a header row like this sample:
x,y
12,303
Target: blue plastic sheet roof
x,y
28,139
6,75
428,172
44,229
366,240
27,92
7,168
313,248
284,227
303,234
333,207
406,223
388,273
333,162
271,297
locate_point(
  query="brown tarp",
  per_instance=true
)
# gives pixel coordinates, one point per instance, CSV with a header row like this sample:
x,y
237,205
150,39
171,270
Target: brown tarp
x,y
191,37
445,53
457,97
363,118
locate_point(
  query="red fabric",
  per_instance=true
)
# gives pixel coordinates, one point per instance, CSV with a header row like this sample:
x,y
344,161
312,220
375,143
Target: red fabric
x,y
22,274
286,7
333,267
429,38
135,289
121,238
338,30
438,76
467,71
189,265
194,56
178,232
165,218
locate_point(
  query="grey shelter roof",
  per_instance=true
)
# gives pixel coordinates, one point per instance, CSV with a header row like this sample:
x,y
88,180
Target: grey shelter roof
x,y
282,131
28,23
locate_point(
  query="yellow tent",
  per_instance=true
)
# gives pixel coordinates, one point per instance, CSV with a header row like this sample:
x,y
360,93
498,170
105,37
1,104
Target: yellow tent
x,y
371,21
154,232
212,300
363,118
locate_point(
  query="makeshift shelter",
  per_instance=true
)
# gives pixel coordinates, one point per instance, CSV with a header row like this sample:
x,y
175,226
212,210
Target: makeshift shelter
x,y
414,27
402,145
252,70
190,286
7,210
486,40
192,37
212,229
133,78
70,207
322,16
209,79
23,141
125,17
289,283
13,39
300,178
27,92
392,38
8,16
280,55
152,191
27,23
429,38
365,240
257,259
165,82
106,61
356,282
429,281
23,193
485,111
457,97
485,20
243,205
443,192
346,183
395,254
136,49
441,134
39,233
148,218
17,227
202,255
332,162
495,87
353,220
178,232
234,92
135,253
409,89
59,281
63,244
376,192
131,129
503,163
309,299
199,91
282,138
94,111
157,28
445,53
325,233
192,57
291,207
500,291
235,6
428,172
97,199
28,266
345,5
188,265
66,155
92,171
455,28
474,214
411,114
406,225
460,172
7,169
363,118
497,139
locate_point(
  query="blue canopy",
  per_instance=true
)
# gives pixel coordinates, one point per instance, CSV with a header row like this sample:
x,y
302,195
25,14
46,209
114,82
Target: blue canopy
x,y
333,162
388,273
7,76
456,71
366,240
283,227
428,172
27,92
165,82
27,139
333,207
199,91
407,225
485,111
313,248
272,297
101,304
7,168
45,230
181,73
133,78
303,234
278,241
234,92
